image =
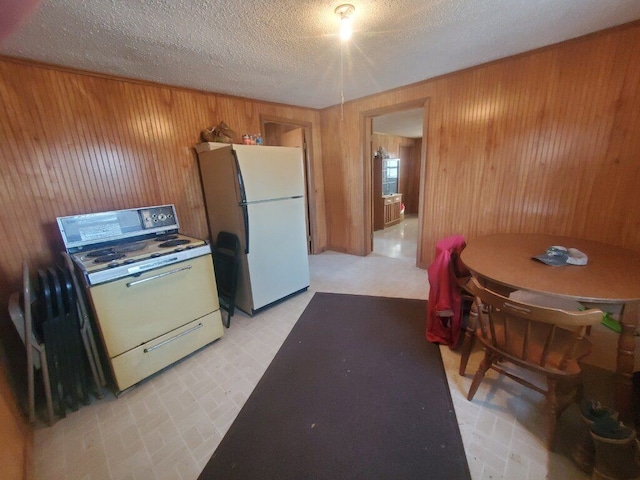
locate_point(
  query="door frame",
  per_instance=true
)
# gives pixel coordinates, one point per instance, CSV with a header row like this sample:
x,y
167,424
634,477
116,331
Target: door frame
x,y
366,127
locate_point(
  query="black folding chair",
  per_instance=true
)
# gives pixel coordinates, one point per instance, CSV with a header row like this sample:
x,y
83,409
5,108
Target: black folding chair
x,y
226,262
59,324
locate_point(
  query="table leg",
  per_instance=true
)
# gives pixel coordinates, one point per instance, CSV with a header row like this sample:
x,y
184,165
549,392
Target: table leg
x,y
625,363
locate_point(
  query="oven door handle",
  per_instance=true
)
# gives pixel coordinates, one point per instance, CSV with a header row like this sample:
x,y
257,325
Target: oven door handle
x,y
155,277
175,337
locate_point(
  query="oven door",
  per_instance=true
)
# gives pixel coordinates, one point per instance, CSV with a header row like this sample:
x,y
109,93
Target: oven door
x,y
135,310
140,362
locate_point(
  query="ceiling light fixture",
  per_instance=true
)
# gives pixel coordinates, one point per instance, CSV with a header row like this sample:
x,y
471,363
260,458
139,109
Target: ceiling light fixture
x,y
345,11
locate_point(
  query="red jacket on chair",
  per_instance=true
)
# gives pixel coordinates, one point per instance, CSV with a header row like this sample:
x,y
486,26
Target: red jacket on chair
x,y
444,309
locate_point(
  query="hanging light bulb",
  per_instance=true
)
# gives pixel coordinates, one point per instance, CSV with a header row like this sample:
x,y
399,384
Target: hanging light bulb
x,y
345,11
345,29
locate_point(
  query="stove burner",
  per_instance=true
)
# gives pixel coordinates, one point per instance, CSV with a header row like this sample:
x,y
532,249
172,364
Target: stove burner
x,y
109,257
174,243
163,238
100,253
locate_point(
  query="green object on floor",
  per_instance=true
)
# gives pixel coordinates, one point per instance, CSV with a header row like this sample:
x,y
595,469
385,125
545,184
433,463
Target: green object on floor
x,y
610,322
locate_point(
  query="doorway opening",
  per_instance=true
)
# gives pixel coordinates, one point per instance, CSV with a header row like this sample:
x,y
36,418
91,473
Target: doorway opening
x,y
395,156
289,133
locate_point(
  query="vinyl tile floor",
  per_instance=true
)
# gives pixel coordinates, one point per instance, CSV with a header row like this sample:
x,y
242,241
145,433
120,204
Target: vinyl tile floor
x,y
168,426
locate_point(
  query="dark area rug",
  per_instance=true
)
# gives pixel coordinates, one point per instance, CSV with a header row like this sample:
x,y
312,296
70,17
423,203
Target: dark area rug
x,y
355,392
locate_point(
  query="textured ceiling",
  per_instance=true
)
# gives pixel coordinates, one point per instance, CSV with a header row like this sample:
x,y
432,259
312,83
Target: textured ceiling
x,y
288,51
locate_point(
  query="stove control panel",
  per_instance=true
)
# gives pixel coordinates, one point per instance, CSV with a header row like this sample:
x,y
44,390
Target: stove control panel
x,y
158,217
93,230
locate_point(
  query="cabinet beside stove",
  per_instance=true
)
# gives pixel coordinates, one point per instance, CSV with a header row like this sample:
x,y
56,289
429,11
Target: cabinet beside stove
x,y
149,321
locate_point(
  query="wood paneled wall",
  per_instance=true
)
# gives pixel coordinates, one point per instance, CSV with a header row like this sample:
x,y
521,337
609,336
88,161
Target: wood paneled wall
x,y
75,143
391,143
274,131
547,141
410,177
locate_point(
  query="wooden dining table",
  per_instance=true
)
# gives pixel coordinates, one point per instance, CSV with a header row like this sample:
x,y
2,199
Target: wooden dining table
x,y
610,281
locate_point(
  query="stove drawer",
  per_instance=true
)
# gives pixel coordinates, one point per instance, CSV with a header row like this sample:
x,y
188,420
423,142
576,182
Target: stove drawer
x,y
134,310
137,364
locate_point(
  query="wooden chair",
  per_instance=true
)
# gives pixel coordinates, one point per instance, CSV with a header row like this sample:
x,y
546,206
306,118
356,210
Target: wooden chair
x,y
519,295
543,340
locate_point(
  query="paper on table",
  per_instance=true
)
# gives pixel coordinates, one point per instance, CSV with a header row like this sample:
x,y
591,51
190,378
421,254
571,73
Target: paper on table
x,y
558,256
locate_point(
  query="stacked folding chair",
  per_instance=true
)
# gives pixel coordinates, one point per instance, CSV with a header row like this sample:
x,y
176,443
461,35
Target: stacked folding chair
x,y
53,321
20,311
226,263
59,328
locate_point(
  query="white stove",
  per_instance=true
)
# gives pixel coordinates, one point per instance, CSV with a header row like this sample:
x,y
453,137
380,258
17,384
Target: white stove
x,y
111,245
152,289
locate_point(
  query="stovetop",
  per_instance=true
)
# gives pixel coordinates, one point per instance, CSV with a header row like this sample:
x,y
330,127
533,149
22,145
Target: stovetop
x,y
135,251
137,256
109,245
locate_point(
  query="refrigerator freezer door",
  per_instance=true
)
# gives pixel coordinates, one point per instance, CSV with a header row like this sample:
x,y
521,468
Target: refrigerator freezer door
x,y
278,261
270,172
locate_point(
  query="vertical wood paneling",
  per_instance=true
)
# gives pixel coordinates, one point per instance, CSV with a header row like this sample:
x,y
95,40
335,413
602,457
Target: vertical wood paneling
x,y
547,142
391,143
74,143
412,186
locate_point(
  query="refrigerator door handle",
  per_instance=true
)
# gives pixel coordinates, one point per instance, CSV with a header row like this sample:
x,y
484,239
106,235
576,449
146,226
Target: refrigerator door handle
x,y
243,202
245,216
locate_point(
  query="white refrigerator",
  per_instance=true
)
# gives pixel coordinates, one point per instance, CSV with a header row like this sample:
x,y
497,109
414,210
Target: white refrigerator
x,y
258,193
